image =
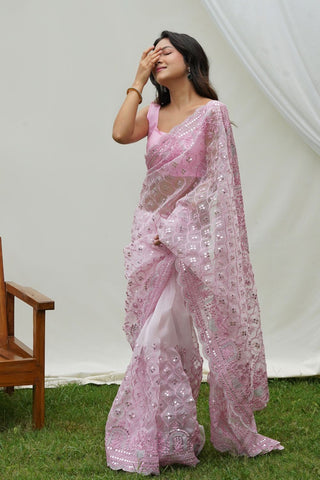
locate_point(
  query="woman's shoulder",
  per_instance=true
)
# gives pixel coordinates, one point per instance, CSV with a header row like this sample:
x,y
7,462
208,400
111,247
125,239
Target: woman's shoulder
x,y
216,105
216,109
153,106
152,111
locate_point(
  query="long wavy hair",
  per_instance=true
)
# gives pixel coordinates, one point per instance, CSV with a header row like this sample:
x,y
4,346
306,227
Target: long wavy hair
x,y
195,59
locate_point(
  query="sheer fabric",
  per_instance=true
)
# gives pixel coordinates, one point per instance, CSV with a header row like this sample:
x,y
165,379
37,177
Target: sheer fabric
x,y
192,199
283,56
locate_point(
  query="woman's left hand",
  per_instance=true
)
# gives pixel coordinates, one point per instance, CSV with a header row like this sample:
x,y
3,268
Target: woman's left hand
x,y
156,241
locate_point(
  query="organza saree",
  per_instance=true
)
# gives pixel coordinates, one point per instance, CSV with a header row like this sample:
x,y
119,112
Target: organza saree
x,y
197,284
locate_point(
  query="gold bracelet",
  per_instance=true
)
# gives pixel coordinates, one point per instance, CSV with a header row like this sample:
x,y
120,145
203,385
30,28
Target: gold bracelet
x,y
135,90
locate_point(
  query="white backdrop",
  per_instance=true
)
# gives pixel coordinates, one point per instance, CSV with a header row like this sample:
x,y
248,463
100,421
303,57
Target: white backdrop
x,y
67,191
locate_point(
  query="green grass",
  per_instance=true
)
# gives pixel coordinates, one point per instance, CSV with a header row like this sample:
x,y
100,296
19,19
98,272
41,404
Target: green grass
x,y
71,446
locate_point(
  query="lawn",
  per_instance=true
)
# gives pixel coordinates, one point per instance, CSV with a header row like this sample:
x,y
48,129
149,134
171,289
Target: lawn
x,y
71,445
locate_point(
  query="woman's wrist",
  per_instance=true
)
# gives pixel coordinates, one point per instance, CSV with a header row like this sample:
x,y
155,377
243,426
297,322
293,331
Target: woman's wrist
x,y
136,92
138,85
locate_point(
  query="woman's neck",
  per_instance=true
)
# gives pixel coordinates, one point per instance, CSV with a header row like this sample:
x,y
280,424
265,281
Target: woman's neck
x,y
182,94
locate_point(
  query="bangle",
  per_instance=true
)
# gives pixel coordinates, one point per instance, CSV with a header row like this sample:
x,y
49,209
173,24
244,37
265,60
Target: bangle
x,y
135,90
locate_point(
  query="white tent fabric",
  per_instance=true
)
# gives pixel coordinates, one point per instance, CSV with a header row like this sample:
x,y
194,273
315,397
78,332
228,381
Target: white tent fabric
x,y
278,40
67,191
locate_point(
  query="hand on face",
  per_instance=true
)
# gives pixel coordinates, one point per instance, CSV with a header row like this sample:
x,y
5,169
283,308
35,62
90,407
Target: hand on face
x,y
148,60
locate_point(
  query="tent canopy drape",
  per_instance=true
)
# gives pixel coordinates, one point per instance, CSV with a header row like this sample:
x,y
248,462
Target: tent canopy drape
x,y
278,41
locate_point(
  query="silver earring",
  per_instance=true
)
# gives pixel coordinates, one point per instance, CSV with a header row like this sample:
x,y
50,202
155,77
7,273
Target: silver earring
x,y
189,74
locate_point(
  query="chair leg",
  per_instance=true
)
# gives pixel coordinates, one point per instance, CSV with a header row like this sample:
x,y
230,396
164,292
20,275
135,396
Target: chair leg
x,y
38,351
9,390
38,405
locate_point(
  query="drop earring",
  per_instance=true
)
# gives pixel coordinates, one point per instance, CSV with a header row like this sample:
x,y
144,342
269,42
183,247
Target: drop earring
x,y
189,74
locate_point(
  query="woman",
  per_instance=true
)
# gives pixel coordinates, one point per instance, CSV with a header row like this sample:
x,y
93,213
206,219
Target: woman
x,y
187,266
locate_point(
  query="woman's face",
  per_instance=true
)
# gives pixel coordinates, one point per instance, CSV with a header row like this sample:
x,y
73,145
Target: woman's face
x,y
171,64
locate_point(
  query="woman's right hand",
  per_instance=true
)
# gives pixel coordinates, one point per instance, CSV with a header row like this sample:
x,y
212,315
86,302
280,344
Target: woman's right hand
x,y
148,61
130,126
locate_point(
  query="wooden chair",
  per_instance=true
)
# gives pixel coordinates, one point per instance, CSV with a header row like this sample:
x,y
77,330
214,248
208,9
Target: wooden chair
x,y
19,365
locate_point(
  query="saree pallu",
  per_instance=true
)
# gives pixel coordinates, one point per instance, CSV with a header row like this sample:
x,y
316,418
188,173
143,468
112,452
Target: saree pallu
x,y
201,276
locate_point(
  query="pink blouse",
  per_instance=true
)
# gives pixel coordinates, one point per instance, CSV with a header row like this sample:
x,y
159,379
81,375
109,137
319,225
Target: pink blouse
x,y
154,133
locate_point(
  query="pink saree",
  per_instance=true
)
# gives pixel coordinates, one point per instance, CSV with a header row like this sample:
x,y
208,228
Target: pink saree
x,y
200,277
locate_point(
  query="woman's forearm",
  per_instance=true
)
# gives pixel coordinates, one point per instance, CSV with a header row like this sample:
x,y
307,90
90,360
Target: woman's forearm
x,y
124,124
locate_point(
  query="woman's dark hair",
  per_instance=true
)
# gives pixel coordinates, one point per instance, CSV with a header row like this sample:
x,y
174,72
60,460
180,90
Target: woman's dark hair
x,y
195,58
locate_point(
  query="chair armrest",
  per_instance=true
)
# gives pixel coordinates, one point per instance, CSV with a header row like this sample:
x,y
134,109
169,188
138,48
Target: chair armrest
x,y
30,296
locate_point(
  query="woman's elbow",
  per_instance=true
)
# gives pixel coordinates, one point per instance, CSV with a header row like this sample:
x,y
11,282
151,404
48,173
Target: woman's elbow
x,y
119,138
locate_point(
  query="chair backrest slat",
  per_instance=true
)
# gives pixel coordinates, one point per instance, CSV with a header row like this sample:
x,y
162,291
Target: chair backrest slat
x,y
3,313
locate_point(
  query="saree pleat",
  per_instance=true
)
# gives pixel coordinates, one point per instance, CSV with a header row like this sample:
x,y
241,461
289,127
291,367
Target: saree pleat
x,y
191,198
153,420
